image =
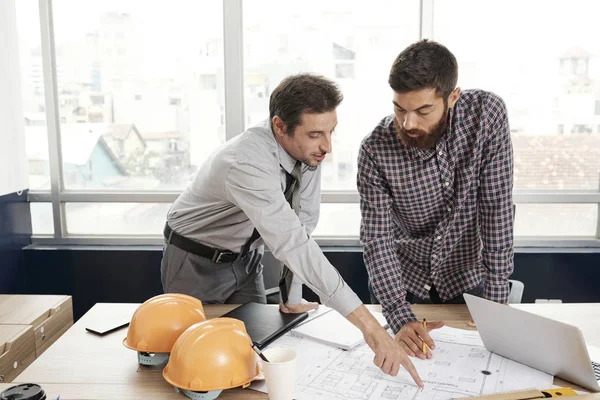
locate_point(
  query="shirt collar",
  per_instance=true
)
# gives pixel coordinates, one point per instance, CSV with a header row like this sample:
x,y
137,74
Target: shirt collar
x,y
423,154
285,160
442,143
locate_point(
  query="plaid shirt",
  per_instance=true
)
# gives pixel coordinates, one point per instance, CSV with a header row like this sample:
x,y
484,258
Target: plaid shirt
x,y
440,216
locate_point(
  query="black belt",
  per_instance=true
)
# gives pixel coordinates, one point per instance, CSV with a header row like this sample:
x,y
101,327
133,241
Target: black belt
x,y
191,246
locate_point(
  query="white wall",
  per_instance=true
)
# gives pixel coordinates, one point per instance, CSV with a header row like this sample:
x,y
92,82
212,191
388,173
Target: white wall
x,y
13,159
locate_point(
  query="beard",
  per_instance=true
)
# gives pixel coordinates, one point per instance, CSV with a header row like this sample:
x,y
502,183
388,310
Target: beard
x,y
424,140
306,164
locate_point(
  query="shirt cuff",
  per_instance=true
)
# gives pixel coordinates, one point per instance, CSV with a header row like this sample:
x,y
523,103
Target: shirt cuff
x,y
344,301
399,317
496,288
295,294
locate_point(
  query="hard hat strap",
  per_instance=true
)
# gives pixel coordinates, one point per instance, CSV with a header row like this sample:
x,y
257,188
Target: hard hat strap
x,y
213,394
149,359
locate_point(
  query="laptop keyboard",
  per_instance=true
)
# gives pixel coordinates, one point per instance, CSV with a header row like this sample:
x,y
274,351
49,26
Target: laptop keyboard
x,y
596,369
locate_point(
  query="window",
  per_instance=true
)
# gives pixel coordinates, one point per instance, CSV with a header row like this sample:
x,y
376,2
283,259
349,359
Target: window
x,y
141,108
36,167
338,220
115,218
97,100
557,220
124,71
529,77
32,84
351,42
344,71
208,82
41,219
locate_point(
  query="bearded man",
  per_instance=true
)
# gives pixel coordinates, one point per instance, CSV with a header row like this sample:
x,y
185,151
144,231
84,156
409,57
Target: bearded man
x,y
435,181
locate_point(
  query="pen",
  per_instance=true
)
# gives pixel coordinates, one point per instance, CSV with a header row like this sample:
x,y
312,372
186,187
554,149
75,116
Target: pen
x,y
424,344
262,356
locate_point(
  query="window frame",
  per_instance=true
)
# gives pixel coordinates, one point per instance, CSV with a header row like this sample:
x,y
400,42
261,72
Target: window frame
x,y
234,125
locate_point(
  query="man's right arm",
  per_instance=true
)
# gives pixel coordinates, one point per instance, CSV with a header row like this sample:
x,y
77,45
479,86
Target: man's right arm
x,y
255,189
376,236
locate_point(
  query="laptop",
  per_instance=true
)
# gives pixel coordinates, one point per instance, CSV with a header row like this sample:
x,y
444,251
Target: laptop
x,y
541,343
264,322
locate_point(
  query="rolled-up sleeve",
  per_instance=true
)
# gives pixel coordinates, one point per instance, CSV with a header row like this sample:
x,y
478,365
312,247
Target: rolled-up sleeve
x,y
255,189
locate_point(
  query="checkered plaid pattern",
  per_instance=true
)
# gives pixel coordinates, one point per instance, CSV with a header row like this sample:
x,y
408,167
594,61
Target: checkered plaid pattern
x,y
440,216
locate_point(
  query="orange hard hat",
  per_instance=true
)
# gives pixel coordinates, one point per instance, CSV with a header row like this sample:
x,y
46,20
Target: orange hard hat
x,y
212,356
158,322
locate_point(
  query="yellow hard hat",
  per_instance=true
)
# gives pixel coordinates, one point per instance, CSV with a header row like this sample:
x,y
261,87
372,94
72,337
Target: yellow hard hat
x,y
158,322
212,356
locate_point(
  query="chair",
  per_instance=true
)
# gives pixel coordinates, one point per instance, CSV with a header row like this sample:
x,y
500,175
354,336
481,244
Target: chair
x,y
273,296
516,291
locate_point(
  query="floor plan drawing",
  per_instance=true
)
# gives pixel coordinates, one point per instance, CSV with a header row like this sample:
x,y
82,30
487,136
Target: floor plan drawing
x,y
460,367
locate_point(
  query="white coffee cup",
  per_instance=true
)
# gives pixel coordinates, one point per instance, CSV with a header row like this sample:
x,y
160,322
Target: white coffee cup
x,y
280,372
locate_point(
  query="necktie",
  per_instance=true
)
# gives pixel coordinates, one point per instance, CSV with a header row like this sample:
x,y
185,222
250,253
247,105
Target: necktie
x,y
293,197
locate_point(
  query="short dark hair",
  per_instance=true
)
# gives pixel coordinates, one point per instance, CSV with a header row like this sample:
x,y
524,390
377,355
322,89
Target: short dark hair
x,y
424,65
303,93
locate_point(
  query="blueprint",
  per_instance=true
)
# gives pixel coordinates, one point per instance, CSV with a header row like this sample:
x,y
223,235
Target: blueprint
x,y
460,367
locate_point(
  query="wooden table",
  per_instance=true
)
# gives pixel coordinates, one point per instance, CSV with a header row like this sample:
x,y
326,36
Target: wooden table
x,y
29,324
29,309
81,365
48,315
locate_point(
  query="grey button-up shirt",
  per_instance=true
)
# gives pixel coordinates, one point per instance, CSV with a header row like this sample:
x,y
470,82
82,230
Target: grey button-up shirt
x,y
240,187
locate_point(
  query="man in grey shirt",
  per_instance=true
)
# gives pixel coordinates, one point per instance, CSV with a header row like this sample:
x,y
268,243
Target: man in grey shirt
x,y
264,186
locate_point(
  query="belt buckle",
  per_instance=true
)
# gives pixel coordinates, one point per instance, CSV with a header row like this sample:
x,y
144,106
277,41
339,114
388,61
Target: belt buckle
x,y
217,257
